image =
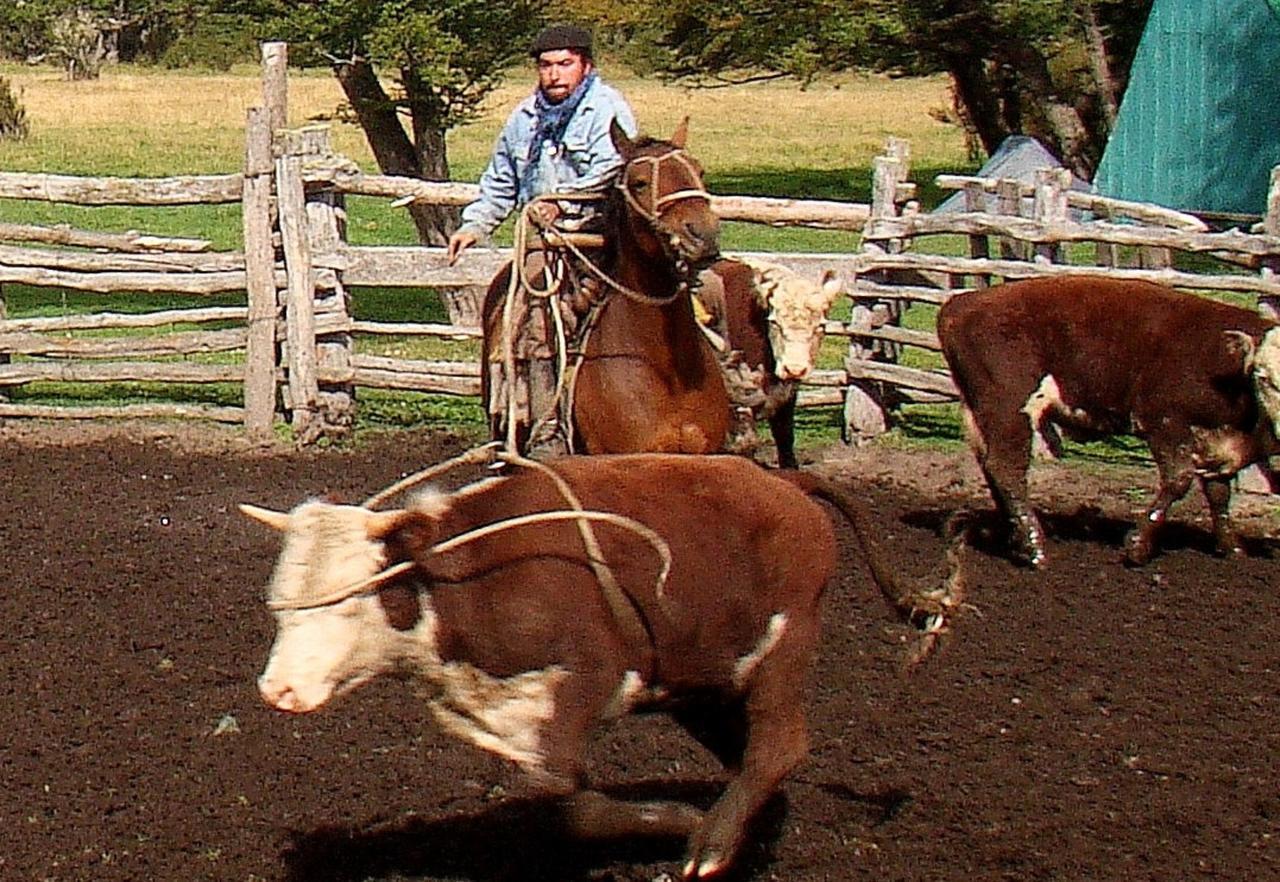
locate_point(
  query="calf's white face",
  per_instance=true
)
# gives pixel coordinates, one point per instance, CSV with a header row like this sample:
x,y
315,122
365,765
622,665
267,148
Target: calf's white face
x,y
797,309
324,651
1265,368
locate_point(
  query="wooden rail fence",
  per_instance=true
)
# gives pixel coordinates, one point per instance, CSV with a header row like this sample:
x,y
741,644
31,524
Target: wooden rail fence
x,y
291,345
1038,229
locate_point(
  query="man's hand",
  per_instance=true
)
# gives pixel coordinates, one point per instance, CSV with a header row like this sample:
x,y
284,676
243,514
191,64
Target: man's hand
x,y
544,213
460,242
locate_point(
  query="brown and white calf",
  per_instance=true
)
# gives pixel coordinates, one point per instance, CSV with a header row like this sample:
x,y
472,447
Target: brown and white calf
x,y
771,321
527,652
1197,379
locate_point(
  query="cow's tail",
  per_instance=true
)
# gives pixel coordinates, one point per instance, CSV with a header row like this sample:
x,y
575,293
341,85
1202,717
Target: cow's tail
x,y
929,611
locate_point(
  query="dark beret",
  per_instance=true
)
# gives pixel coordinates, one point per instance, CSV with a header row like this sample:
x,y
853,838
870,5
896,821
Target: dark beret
x,y
562,36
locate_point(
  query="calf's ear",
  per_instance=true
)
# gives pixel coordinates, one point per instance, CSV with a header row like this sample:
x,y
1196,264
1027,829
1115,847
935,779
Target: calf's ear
x,y
1241,344
412,530
382,524
831,287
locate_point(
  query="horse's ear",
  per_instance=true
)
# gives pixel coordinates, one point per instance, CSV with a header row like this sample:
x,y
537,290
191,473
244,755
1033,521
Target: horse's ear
x,y
624,145
681,135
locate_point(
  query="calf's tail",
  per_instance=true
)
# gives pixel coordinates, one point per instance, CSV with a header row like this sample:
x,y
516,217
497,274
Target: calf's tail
x,y
928,610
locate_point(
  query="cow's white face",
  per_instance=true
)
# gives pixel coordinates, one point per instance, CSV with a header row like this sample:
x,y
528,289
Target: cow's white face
x,y
797,309
322,652
1265,368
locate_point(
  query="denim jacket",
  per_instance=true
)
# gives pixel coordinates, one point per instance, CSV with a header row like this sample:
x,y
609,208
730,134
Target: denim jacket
x,y
586,162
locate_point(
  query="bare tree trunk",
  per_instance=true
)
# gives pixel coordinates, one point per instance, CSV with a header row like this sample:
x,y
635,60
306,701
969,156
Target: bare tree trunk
x,y
391,146
433,157
1062,127
976,96
1103,79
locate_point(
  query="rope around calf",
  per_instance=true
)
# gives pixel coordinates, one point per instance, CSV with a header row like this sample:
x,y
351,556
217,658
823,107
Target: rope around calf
x,y
622,605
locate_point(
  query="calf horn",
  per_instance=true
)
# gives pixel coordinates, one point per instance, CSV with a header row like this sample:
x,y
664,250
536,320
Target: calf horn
x,y
276,520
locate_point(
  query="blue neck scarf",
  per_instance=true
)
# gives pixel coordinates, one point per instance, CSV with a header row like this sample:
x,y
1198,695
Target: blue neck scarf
x,y
552,121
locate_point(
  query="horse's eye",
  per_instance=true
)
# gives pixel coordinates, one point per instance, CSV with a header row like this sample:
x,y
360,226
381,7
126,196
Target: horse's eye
x,y
640,185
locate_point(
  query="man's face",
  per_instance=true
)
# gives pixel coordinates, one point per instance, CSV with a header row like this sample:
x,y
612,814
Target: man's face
x,y
559,73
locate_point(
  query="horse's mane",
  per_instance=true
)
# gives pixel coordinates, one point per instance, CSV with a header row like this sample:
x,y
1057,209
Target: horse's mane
x,y
648,142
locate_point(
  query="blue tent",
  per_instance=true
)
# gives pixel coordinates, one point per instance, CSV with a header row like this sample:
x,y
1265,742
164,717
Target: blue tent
x,y
1018,157
1199,127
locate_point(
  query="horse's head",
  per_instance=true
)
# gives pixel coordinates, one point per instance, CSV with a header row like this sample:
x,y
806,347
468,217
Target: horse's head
x,y
668,206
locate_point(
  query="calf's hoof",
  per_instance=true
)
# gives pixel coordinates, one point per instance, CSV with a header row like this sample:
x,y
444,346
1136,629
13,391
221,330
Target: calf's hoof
x,y
1030,554
712,848
1230,547
1137,549
704,864
1029,541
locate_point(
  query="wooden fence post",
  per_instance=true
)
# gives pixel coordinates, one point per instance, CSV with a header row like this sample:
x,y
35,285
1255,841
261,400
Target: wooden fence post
x,y
1268,305
865,409
259,260
335,350
303,391
1051,208
975,199
1106,253
275,85
1009,204
5,358
313,223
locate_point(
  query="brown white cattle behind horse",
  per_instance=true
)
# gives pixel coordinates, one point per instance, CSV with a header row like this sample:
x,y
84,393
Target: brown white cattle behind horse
x,y
771,320
1196,378
528,651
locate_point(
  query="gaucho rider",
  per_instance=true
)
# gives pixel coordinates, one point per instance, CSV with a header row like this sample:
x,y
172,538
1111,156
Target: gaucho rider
x,y
555,142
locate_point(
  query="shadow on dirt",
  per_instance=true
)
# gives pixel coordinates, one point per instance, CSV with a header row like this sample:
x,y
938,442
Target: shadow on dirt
x,y
517,840
989,534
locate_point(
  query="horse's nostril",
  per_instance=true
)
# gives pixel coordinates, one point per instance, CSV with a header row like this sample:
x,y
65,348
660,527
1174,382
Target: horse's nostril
x,y
704,235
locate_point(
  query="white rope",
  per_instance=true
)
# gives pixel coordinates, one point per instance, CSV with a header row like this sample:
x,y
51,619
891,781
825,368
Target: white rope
x,y
372,583
475,455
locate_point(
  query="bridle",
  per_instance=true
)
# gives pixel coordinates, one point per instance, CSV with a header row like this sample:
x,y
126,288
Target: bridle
x,y
567,374
653,212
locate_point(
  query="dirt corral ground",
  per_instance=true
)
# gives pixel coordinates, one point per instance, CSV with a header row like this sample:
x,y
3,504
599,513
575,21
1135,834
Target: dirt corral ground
x,y
1088,722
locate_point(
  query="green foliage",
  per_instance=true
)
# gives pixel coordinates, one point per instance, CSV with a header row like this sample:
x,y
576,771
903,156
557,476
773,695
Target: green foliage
x,y
82,35
13,116
443,57
215,41
1047,68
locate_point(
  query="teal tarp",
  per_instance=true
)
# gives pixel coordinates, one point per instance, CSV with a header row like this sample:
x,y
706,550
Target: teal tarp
x,y
1199,128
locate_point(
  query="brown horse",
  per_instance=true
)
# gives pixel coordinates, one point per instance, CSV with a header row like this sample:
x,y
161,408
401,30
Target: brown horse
x,y
647,379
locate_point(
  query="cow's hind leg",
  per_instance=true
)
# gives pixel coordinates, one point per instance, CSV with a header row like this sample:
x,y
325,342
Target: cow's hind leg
x,y
776,741
1217,492
1003,447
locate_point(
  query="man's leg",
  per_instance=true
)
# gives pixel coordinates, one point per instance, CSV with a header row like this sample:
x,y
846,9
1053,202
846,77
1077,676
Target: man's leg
x,y
540,362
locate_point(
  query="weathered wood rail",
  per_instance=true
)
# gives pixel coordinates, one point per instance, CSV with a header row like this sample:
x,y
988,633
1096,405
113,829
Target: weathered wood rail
x,y
291,344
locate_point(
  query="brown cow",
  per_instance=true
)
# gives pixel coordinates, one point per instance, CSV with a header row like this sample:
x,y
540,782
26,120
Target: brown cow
x,y
1195,378
770,320
528,646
